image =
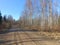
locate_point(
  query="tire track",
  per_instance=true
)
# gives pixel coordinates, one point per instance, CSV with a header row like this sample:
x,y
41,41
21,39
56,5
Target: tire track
x,y
20,41
32,40
29,39
15,39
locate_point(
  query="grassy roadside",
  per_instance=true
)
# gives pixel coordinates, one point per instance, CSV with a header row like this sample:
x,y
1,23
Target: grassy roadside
x,y
51,35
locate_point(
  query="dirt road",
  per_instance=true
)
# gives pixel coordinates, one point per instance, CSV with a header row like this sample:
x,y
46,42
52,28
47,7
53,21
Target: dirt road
x,y
25,37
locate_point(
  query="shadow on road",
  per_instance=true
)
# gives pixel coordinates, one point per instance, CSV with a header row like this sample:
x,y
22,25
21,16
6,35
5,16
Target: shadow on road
x,y
17,30
2,41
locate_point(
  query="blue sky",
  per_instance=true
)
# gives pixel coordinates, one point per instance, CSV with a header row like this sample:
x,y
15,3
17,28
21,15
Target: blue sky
x,y
12,7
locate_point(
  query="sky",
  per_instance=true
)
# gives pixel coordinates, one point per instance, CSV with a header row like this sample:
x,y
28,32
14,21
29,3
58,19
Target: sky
x,y
12,7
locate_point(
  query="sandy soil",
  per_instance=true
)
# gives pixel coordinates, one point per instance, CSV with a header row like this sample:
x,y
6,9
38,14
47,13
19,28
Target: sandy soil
x,y
30,38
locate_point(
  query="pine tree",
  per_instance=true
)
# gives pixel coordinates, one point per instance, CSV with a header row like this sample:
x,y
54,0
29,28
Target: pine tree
x,y
5,19
0,18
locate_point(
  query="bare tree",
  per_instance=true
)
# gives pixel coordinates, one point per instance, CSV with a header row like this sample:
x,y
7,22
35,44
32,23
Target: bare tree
x,y
43,7
50,15
55,17
29,8
39,13
10,20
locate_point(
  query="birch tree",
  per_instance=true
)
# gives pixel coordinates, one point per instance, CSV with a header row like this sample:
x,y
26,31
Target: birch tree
x,y
43,4
50,15
29,8
55,15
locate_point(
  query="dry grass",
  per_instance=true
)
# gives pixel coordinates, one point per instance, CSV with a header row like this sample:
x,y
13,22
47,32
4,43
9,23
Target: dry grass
x,y
51,35
46,28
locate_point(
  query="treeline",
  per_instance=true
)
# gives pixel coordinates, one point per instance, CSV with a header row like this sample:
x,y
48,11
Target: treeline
x,y
5,22
41,15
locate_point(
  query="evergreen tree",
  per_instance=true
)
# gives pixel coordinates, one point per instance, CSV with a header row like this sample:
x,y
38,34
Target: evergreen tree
x,y
0,18
5,18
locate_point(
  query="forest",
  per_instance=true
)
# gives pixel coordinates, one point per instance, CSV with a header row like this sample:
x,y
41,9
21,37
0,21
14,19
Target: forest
x,y
37,24
40,15
37,15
